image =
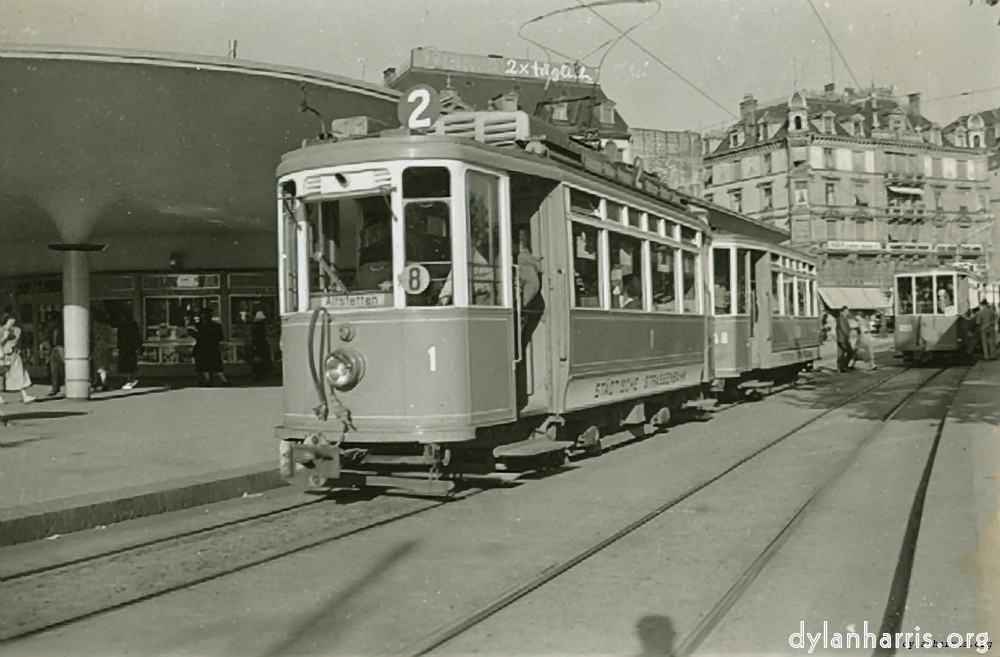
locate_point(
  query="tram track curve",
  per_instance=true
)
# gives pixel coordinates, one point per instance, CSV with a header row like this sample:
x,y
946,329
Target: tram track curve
x,y
513,594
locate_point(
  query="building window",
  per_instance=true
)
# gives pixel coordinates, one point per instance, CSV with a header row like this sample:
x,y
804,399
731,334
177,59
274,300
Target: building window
x,y
832,225
734,140
766,167
828,159
860,196
762,132
798,122
736,200
938,201
560,112
709,197
831,193
977,141
801,192
766,198
607,113
828,125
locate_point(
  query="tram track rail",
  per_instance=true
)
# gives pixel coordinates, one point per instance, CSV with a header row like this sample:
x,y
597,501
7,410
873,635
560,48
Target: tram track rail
x,y
22,619
23,615
689,643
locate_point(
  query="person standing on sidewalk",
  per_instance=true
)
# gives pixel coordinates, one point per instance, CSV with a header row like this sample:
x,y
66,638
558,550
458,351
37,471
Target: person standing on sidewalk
x,y
102,339
987,335
207,349
13,376
129,344
864,347
57,361
845,353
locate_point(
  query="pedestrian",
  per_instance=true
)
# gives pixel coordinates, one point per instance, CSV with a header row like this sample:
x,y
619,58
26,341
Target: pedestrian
x,y
864,346
261,362
986,321
13,376
102,339
129,343
207,349
57,360
845,353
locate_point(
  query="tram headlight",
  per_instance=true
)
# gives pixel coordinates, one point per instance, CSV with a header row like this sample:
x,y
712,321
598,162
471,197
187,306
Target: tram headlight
x,y
344,368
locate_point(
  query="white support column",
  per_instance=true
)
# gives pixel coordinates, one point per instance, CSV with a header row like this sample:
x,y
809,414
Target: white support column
x,y
76,316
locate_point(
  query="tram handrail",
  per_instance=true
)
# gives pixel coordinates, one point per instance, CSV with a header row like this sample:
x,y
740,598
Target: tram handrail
x,y
323,409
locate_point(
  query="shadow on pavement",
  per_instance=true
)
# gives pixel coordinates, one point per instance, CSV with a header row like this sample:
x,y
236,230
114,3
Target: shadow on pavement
x,y
657,635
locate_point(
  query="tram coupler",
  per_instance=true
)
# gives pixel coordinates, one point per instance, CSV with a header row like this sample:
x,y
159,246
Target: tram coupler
x,y
308,461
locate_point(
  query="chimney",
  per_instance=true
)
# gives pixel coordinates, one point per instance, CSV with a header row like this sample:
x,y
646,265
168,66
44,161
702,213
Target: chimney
x,y
849,92
829,89
388,74
914,103
748,113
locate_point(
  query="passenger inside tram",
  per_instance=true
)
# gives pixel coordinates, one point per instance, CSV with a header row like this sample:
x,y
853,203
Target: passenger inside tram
x,y
945,296
904,292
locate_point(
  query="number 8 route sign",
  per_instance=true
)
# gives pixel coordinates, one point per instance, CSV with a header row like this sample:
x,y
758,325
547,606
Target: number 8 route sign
x,y
415,278
419,107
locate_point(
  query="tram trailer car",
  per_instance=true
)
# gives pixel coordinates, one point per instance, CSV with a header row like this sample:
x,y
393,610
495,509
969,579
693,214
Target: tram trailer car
x,y
767,326
933,312
416,348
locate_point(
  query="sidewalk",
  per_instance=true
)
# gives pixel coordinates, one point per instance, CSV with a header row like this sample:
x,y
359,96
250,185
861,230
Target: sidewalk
x,y
71,465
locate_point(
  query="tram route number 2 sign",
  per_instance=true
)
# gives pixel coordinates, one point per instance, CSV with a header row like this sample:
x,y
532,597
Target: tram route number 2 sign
x,y
419,107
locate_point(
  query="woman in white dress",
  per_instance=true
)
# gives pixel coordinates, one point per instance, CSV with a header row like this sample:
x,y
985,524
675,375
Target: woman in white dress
x,y
13,376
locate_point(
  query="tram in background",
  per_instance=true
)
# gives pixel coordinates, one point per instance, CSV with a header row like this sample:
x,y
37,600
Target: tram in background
x,y
935,310
767,326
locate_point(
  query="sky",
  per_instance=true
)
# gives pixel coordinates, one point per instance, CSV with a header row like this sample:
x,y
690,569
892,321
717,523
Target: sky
x,y
725,48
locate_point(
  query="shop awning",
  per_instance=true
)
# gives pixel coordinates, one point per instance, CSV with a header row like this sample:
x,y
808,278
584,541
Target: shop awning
x,y
855,298
913,191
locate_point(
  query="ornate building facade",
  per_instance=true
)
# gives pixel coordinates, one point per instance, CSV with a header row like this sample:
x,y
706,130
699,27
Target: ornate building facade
x,y
861,180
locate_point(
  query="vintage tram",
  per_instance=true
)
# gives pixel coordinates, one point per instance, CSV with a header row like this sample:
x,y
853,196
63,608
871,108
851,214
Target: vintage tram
x,y
935,312
766,315
450,302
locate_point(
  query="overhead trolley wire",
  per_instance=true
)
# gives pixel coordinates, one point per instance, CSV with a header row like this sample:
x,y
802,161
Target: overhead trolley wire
x,y
834,42
622,34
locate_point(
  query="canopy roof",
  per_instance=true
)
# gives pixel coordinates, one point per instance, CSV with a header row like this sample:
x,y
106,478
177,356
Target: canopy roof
x,y
100,146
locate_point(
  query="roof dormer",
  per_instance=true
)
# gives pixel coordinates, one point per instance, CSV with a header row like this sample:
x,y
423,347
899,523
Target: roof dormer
x,y
827,122
977,131
798,121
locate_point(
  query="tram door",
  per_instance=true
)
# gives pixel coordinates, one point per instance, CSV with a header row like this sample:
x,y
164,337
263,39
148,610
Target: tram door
x,y
760,307
530,198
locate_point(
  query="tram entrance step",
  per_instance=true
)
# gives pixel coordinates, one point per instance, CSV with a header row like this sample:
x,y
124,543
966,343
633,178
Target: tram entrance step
x,y
531,447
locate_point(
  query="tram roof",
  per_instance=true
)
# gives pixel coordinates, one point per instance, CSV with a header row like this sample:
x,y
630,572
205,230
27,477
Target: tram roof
x,y
479,134
726,238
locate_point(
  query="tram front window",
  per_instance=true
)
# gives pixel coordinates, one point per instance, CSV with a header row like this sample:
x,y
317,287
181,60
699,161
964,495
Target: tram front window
x,y
904,293
350,246
925,295
427,221
946,295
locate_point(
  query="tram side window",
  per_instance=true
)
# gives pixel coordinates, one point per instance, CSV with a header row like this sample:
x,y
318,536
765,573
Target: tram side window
x,y
626,272
803,298
946,295
925,295
689,273
722,285
741,282
350,245
586,267
788,302
775,293
484,239
664,280
585,204
427,223
904,293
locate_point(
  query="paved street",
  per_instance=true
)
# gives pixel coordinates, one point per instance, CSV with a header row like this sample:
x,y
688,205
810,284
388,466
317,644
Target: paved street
x,y
692,577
